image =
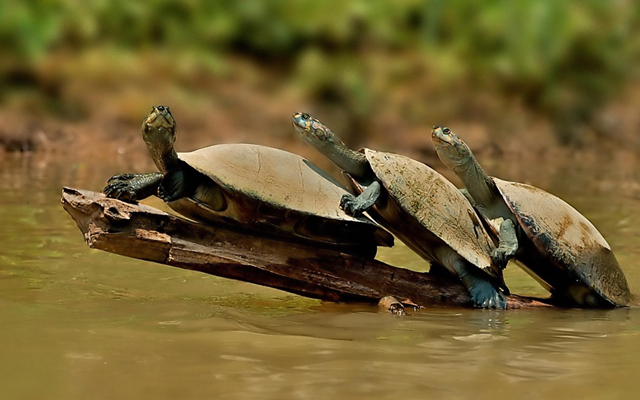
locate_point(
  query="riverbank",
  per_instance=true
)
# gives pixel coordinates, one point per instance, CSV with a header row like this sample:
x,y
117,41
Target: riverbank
x,y
87,109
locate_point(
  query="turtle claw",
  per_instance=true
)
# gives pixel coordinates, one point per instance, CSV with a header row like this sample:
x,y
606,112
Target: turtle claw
x,y
121,177
162,194
166,195
349,205
132,187
485,295
391,305
396,309
120,189
501,257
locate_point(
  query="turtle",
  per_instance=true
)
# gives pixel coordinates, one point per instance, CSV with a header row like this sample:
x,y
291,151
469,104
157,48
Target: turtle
x,y
558,246
419,206
249,187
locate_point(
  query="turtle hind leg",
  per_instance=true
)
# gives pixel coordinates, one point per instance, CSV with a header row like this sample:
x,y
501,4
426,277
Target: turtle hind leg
x,y
355,206
132,187
484,293
440,271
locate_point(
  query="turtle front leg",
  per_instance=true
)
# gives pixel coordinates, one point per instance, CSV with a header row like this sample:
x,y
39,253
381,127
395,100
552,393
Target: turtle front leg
x,y
132,187
173,186
355,206
508,244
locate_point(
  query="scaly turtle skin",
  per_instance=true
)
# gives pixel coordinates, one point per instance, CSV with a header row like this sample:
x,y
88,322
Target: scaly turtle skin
x,y
251,187
419,206
558,245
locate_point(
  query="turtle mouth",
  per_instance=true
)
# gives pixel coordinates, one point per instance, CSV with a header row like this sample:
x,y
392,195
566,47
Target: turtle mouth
x,y
440,137
166,120
159,119
297,127
441,141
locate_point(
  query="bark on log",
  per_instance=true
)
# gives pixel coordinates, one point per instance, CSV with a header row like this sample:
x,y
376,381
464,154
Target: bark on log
x,y
146,233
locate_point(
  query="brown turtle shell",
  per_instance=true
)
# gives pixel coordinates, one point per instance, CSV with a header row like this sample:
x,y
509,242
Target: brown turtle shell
x,y
423,209
568,241
276,192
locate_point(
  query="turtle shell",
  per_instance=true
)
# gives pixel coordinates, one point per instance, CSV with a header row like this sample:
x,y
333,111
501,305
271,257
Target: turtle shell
x,y
567,239
421,206
276,192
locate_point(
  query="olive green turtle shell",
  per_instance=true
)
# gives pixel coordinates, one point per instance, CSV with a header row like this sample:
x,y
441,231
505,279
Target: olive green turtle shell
x,y
420,203
567,239
276,192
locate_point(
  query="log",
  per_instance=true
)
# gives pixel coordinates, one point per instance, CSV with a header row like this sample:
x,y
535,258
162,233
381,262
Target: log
x,y
146,233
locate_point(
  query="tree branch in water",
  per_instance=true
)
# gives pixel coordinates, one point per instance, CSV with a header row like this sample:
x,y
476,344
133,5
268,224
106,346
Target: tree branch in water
x,y
146,233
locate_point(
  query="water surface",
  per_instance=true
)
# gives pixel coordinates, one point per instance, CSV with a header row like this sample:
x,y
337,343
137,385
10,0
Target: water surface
x,y
79,323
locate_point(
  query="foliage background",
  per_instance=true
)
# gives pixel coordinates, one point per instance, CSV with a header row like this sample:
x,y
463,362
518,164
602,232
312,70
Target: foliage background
x,y
507,74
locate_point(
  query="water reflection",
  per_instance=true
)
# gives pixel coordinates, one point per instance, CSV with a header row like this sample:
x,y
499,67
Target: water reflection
x,y
75,321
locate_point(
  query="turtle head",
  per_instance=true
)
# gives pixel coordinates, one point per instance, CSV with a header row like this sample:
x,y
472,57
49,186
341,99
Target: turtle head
x,y
452,150
159,128
316,134
312,131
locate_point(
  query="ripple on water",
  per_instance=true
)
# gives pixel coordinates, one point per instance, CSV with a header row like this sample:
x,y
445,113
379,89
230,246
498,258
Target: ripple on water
x,y
74,321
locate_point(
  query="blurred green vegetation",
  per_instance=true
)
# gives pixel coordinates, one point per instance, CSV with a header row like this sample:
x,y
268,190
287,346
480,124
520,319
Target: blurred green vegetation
x,y
562,58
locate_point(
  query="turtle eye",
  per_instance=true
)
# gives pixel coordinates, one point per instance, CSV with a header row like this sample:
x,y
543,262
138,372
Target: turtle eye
x,y
446,131
305,116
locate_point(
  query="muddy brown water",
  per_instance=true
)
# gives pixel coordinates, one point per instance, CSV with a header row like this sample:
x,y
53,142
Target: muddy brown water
x,y
77,323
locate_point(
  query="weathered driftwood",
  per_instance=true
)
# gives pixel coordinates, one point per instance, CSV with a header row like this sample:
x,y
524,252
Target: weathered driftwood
x,y
143,232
